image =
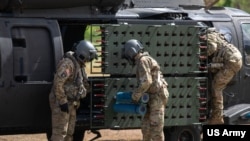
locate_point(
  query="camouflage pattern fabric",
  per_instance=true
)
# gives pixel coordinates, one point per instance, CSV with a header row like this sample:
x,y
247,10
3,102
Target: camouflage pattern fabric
x,y
151,81
221,52
68,83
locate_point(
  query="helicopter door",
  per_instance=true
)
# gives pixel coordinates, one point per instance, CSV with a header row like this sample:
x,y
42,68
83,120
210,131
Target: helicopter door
x,y
30,49
245,31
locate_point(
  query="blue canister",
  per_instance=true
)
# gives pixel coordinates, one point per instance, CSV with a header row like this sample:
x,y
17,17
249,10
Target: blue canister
x,y
144,98
123,97
130,108
126,97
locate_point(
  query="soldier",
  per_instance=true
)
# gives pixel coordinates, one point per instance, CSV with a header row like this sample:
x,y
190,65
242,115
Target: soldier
x,y
226,62
151,81
70,84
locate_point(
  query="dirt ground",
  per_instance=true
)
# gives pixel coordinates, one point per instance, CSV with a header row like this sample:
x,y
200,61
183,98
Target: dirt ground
x,y
107,135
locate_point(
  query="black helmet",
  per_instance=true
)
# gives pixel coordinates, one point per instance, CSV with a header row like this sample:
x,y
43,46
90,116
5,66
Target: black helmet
x,y
130,49
85,51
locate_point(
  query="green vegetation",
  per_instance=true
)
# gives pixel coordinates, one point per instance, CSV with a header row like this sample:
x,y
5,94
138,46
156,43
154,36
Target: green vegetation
x,y
240,4
92,34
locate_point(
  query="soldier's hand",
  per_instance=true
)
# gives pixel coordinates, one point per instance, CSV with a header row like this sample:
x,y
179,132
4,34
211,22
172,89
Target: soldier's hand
x,y
135,101
64,107
135,98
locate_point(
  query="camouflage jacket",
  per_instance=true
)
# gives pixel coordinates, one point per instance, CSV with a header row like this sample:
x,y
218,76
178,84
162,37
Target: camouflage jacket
x,y
221,50
149,76
70,80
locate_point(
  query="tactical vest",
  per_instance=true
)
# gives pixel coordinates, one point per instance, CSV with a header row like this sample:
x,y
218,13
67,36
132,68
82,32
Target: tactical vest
x,y
75,90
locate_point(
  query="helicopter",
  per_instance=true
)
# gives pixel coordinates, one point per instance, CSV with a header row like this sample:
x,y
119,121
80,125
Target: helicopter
x,y
34,35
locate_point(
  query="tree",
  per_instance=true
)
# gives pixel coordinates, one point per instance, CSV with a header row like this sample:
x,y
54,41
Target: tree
x,y
240,4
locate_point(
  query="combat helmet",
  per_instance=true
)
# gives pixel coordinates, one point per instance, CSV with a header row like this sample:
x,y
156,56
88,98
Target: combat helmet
x,y
85,51
130,49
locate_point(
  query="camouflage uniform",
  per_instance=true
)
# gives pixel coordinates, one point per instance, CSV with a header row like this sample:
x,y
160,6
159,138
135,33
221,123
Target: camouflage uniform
x,y
150,80
69,86
227,62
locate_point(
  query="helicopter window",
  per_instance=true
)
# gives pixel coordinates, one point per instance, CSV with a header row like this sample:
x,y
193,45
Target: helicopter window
x,y
227,33
31,56
246,42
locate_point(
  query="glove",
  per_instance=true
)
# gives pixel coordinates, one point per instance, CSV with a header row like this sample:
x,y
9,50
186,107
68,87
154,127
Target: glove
x,y
64,107
134,99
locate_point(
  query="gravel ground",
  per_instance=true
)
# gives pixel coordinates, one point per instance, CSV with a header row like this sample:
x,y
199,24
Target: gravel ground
x,y
107,135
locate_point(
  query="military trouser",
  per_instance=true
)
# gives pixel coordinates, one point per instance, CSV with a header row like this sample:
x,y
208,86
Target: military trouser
x,y
153,121
221,79
63,124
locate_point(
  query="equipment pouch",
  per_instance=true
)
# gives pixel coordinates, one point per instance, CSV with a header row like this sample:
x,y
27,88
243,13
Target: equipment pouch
x,y
164,94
